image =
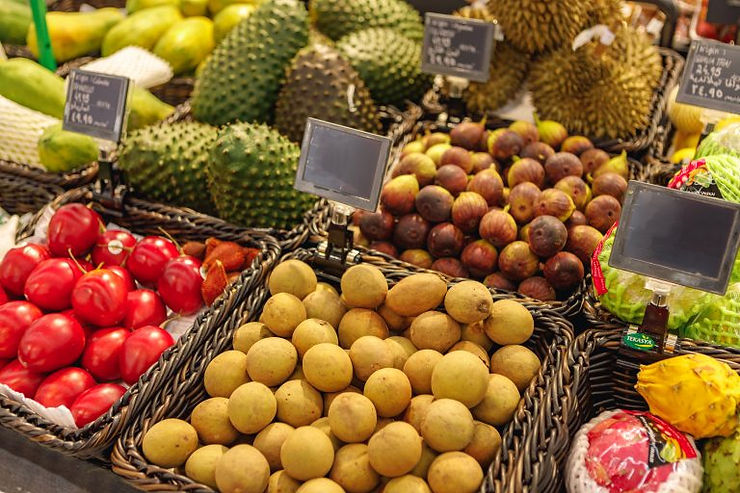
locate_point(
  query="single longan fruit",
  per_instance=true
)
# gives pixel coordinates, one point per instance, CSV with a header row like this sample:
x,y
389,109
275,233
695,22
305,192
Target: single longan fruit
x,y
282,313
270,440
352,417
369,354
251,407
225,373
242,469
517,363
468,302
294,277
447,425
307,453
455,472
418,368
509,323
402,349
210,419
390,391
248,334
327,367
298,403
364,286
201,465
325,305
359,322
311,332
394,450
434,330
484,445
417,409
170,442
500,402
460,375
271,361
352,470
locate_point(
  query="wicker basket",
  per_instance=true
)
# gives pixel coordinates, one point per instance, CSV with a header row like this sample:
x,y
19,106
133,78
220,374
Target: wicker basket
x,y
20,195
94,440
74,5
589,383
184,392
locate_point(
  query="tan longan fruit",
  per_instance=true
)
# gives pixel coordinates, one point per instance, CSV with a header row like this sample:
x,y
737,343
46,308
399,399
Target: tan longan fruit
x,y
307,453
369,354
210,419
242,469
427,457
201,465
394,450
407,484
251,407
325,286
225,373
390,391
382,423
468,302
352,470
311,332
509,323
416,294
270,440
330,396
434,330
248,334
352,417
476,333
517,363
298,403
402,349
419,369
281,482
395,322
170,442
323,425
500,402
294,277
325,305
282,313
364,286
417,409
320,485
460,375
455,472
471,348
327,367
271,361
447,425
484,445
359,322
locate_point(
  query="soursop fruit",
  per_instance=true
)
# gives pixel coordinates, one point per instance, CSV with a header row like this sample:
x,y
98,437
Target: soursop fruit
x,y
323,85
388,62
722,465
167,163
337,18
250,174
242,77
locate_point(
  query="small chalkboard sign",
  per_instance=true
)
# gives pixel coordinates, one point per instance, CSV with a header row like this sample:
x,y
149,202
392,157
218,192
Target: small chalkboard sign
x,y
457,46
711,78
342,164
96,104
676,236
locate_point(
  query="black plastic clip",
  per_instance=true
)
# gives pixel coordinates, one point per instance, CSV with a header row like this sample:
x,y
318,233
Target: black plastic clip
x,y
332,255
110,191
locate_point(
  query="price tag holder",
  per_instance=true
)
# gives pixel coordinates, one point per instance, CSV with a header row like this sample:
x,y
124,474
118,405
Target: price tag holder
x,y
723,11
711,78
96,104
457,46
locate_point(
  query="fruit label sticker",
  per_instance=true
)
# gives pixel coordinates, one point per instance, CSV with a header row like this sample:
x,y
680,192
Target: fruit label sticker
x,y
711,78
457,46
96,104
638,341
666,444
342,164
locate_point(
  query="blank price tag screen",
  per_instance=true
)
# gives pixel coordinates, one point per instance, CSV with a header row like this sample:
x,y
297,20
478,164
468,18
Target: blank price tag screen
x,y
342,164
677,236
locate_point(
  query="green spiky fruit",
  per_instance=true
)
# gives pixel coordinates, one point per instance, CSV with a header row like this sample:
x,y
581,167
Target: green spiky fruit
x,y
389,63
323,85
595,93
167,163
251,172
242,77
721,458
534,26
337,18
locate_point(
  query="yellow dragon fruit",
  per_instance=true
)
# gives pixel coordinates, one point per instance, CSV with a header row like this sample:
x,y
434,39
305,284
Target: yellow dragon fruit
x,y
695,393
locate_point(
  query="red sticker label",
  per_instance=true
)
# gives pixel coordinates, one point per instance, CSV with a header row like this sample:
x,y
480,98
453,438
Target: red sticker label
x,y
597,275
667,444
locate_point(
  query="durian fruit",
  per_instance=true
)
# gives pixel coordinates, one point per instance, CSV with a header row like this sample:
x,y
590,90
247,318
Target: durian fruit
x,y
598,91
250,174
607,12
721,457
694,392
323,85
388,62
337,18
242,77
167,163
534,26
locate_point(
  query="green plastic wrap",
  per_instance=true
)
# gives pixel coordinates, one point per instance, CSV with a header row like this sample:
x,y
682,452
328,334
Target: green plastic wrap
x,y
718,322
725,141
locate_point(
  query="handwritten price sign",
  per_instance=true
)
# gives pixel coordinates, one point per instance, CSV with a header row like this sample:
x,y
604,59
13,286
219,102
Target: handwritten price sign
x,y
711,78
96,104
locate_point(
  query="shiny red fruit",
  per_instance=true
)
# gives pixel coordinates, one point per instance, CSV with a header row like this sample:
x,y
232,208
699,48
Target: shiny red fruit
x,y
62,387
144,307
141,350
125,275
180,285
4,362
84,265
50,284
15,318
73,229
51,342
87,328
99,298
148,258
113,247
18,264
103,351
21,379
94,402
3,296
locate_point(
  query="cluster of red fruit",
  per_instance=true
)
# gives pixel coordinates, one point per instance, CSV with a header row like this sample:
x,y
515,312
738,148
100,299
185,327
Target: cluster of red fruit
x,y
71,314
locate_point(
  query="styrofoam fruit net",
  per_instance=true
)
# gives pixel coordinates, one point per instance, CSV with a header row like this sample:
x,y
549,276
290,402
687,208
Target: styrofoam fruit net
x,y
145,69
21,128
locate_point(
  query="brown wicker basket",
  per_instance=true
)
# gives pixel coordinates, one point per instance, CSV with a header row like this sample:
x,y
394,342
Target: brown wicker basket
x,y
74,5
175,91
94,440
590,382
552,335
19,195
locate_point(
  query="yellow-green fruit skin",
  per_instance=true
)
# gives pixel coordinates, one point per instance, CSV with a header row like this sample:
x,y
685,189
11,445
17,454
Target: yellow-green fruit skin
x,y
143,28
228,18
64,151
194,8
186,43
33,86
721,457
146,109
136,5
695,393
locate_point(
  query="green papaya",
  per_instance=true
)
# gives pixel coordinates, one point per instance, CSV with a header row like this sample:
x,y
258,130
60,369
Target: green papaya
x,y
33,86
74,34
143,28
194,8
186,44
228,18
14,21
61,151
146,109
137,5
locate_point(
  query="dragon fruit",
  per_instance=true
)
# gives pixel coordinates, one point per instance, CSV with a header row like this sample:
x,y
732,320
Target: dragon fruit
x,y
625,451
694,392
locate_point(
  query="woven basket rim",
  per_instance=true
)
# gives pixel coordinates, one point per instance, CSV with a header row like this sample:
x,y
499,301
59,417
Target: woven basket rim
x,y
19,195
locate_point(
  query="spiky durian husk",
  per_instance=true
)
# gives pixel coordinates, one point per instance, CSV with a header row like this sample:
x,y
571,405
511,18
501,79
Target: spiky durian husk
x,y
337,18
606,94
533,26
323,85
167,163
607,12
242,77
250,174
388,62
